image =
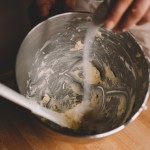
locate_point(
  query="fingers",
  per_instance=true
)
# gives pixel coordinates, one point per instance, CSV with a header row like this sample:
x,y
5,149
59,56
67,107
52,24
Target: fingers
x,y
135,13
146,18
44,7
44,10
117,13
71,4
127,13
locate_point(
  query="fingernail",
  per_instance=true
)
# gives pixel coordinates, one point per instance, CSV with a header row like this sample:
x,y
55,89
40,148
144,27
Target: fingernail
x,y
124,30
109,25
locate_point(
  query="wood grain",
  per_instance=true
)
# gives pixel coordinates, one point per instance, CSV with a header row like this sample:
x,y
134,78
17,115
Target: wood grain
x,y
19,132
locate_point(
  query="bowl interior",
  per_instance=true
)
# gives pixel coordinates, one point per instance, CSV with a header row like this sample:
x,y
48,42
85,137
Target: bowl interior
x,y
51,57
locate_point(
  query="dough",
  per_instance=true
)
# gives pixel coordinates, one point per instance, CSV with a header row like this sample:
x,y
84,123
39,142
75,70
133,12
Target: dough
x,y
93,75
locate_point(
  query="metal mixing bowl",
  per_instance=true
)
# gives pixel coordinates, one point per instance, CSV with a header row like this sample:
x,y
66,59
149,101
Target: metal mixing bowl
x,y
48,62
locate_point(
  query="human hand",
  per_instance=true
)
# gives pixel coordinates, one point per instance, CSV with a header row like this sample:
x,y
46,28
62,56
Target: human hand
x,y
45,6
127,13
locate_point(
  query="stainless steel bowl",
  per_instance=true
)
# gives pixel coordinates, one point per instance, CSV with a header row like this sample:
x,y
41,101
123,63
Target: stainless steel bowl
x,y
48,63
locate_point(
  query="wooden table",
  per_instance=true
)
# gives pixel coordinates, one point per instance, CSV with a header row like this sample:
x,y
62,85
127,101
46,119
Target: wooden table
x,y
19,132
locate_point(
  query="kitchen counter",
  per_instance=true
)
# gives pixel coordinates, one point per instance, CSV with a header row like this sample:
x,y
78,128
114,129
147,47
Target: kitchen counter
x,y
19,132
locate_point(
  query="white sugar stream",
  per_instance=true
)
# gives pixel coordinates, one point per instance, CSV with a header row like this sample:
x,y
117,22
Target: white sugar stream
x,y
88,42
